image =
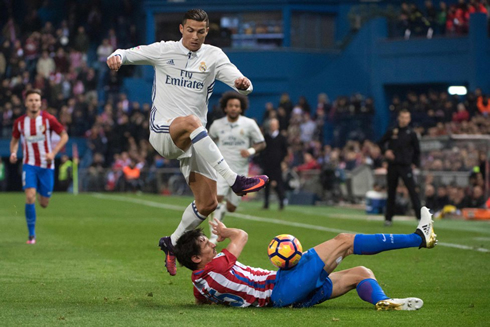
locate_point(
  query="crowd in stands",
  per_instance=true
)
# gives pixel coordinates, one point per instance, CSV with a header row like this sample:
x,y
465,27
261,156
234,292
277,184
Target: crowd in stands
x,y
67,62
446,19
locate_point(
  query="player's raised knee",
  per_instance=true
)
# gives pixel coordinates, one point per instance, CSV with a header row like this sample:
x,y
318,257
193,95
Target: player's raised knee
x,y
192,122
344,238
364,272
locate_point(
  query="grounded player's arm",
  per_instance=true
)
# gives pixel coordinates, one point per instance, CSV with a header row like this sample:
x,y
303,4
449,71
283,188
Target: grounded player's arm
x,y
63,139
140,55
14,146
257,147
238,238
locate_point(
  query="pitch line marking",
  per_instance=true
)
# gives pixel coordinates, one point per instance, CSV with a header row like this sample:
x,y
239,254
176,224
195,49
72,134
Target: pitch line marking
x,y
267,220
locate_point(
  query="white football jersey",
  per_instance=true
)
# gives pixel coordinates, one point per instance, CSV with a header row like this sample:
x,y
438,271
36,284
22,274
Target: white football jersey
x,y
184,80
233,137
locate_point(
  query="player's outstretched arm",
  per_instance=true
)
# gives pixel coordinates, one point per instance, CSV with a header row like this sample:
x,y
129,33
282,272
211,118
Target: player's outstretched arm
x,y
140,55
238,238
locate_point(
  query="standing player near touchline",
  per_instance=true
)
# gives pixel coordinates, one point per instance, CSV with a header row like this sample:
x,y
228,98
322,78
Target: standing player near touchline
x,y
238,138
35,127
185,74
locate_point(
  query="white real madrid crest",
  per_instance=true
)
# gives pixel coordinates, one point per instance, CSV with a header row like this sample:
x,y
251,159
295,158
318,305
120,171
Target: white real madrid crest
x,y
202,66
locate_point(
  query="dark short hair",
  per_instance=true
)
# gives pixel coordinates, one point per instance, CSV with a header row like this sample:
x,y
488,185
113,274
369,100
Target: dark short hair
x,y
403,111
227,96
188,246
33,91
198,15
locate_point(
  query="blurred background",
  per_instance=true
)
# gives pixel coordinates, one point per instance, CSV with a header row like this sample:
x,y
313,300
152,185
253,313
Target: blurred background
x,y
334,73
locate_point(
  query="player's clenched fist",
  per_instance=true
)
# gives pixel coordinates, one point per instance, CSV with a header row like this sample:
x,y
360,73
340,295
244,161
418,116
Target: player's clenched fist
x,y
242,83
114,62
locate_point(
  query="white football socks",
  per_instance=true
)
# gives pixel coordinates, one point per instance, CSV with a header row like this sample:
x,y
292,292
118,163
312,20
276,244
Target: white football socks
x,y
191,218
207,149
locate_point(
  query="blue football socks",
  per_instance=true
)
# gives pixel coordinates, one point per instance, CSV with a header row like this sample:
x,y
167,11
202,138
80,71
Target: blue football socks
x,y
31,218
372,244
370,291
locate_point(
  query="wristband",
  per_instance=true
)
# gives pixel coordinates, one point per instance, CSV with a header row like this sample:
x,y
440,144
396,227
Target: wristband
x,y
252,151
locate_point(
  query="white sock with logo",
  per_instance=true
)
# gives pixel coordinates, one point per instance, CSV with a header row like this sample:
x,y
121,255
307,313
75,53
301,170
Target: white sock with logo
x,y
207,149
191,218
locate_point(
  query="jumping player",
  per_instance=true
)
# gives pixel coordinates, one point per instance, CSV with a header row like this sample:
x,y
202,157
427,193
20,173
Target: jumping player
x,y
185,74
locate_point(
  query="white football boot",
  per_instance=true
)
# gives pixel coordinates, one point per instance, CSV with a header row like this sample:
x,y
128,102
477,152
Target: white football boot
x,y
425,229
409,304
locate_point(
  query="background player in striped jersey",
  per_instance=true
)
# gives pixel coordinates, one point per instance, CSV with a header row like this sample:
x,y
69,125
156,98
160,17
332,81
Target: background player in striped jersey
x,y
35,128
238,138
185,74
220,278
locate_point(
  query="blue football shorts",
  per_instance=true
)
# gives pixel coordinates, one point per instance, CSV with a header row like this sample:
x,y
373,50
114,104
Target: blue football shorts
x,y
42,179
304,285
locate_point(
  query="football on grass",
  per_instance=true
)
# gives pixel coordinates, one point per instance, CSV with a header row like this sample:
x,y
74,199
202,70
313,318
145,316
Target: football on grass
x,y
285,251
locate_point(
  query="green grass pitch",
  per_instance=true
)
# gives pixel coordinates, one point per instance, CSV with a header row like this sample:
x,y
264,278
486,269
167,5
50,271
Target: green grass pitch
x,y
97,263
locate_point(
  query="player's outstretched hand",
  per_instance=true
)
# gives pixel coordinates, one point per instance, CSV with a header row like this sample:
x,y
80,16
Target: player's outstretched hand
x,y
242,83
114,62
219,229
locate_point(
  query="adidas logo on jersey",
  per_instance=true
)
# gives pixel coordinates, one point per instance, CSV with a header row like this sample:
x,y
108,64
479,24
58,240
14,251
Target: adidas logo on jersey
x,y
170,62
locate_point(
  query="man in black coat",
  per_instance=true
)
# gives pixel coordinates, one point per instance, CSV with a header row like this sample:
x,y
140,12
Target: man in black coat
x,y
402,151
272,156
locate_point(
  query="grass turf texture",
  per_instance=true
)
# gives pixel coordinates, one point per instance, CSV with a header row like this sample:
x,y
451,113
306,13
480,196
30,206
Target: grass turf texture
x,y
97,263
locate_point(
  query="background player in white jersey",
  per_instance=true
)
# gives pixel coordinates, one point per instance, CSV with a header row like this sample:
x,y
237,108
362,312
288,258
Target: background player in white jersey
x,y
185,74
35,128
220,278
238,138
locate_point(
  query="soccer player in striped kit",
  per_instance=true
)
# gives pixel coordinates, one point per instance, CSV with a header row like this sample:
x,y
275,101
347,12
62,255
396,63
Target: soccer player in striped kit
x,y
35,128
220,278
185,75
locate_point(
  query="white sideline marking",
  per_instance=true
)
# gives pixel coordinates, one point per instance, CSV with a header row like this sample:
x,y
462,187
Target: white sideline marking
x,y
268,220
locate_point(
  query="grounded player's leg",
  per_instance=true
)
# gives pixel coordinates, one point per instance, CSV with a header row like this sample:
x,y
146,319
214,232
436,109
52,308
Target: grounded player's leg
x,y
333,251
360,278
369,290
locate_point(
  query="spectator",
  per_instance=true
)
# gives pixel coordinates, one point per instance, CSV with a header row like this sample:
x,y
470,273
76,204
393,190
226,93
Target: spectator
x,y
462,114
45,65
310,163
3,176
442,198
132,174
430,197
65,173
82,41
476,199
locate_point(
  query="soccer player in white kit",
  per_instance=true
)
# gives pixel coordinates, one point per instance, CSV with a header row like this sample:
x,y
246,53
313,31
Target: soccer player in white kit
x,y
238,138
185,74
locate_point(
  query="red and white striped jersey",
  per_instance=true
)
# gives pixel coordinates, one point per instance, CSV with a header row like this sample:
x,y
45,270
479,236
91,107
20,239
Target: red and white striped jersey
x,y
36,137
226,281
